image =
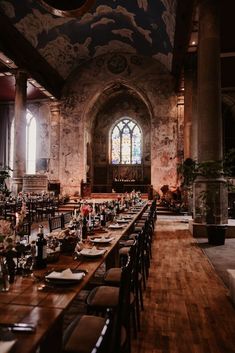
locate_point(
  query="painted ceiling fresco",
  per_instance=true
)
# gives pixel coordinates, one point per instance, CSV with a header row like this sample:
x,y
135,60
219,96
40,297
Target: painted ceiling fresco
x,y
144,27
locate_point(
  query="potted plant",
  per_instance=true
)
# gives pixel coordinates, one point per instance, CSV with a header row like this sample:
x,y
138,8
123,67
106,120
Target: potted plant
x,y
211,193
210,180
4,174
187,172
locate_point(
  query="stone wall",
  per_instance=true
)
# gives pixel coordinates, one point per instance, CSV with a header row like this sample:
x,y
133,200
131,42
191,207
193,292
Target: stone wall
x,y
104,90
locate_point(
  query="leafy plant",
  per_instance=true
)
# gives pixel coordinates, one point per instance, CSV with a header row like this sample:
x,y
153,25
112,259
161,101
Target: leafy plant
x,y
188,171
4,174
210,169
208,205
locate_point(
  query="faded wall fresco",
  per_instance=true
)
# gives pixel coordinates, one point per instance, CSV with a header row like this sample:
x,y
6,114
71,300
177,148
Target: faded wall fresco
x,y
148,95
141,27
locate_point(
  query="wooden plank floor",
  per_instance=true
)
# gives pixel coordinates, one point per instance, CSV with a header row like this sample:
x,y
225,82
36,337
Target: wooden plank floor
x,y
187,308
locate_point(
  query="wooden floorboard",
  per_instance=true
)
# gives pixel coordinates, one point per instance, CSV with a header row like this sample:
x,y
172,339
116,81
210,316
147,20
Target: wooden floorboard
x,y
187,307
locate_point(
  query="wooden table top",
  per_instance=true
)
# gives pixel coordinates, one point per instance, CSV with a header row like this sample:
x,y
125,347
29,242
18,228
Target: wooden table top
x,y
26,301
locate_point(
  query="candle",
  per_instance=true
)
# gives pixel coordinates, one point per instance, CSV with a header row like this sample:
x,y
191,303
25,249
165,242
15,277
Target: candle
x,y
89,220
17,218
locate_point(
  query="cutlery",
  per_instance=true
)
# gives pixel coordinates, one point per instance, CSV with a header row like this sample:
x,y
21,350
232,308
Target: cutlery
x,y
19,327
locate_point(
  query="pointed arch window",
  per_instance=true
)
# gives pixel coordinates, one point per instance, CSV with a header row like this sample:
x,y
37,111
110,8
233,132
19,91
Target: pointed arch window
x,y
30,143
12,134
126,143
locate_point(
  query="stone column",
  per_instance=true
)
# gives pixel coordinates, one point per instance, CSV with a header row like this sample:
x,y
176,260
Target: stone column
x,y
19,160
209,82
190,107
213,187
55,142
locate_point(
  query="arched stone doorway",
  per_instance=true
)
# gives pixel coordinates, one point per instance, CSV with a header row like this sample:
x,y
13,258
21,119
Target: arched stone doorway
x,y
115,103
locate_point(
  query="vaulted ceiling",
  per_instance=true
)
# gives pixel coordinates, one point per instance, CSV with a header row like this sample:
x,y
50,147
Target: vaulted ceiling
x,y
50,47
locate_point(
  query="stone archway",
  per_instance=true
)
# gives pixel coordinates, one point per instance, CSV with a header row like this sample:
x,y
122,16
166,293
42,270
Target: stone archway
x,y
114,103
145,88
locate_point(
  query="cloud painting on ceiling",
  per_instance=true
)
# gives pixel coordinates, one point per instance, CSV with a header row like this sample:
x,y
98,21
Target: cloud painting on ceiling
x,y
144,27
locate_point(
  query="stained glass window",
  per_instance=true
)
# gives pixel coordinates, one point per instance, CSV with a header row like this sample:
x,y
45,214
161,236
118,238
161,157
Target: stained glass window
x,y
126,142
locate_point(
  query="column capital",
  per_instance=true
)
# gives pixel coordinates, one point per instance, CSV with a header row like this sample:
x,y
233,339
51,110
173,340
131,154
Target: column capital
x,y
20,73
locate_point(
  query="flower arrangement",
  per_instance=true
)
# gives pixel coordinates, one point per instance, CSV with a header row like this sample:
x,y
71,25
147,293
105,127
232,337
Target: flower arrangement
x,y
5,228
6,232
20,217
85,210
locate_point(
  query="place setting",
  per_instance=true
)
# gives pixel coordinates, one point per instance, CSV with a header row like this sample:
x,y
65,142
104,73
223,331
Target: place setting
x,y
122,220
101,240
64,277
116,225
92,252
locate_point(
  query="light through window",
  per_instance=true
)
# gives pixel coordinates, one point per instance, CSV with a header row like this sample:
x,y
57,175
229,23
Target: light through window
x,y
30,143
126,143
12,134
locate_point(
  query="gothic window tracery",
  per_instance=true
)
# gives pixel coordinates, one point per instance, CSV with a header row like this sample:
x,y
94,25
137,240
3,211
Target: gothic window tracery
x,y
126,143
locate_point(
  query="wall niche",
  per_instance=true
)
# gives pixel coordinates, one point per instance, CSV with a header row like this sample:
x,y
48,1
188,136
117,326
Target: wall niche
x,y
118,103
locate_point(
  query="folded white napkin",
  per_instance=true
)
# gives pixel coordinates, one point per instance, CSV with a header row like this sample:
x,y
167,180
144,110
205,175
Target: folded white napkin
x,y
113,226
92,252
66,274
5,346
102,239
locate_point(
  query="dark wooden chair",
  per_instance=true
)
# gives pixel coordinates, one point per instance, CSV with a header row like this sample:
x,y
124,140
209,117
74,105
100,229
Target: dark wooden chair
x,y
66,217
117,299
26,229
88,334
55,222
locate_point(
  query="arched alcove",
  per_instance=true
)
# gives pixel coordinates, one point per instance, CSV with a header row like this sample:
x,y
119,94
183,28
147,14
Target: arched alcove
x,y
94,97
114,104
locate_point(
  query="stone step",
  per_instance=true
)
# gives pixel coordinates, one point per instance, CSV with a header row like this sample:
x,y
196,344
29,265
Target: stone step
x,y
166,212
111,195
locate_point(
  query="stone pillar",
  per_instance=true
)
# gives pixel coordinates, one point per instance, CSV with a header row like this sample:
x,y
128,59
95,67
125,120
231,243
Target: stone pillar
x,y
19,160
213,187
55,142
190,108
209,82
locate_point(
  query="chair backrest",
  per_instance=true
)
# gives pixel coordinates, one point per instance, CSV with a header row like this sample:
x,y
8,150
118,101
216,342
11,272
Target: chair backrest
x,y
55,222
122,317
66,217
26,229
103,341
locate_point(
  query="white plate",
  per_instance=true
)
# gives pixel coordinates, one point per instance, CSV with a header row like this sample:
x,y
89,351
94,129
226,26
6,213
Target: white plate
x,y
5,346
122,221
128,217
93,252
116,226
101,240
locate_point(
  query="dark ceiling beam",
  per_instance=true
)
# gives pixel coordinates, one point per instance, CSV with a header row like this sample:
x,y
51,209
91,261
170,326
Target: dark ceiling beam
x,y
183,27
25,56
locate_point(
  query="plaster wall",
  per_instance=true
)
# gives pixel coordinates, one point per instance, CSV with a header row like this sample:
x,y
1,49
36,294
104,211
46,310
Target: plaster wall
x,y
91,88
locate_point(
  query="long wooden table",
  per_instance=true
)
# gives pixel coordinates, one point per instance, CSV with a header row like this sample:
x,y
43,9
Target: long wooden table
x,y
45,308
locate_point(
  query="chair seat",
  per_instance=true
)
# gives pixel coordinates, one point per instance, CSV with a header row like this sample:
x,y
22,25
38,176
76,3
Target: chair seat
x,y
103,297
113,276
124,251
138,229
85,334
127,242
